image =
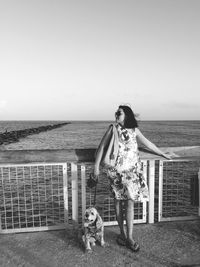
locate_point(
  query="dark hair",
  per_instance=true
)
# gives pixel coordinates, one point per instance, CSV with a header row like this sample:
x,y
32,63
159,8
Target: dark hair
x,y
130,120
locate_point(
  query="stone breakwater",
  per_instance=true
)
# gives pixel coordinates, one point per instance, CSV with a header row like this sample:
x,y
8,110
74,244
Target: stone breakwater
x,y
14,136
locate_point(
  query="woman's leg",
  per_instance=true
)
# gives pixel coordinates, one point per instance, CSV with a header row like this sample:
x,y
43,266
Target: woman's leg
x,y
129,219
119,217
134,246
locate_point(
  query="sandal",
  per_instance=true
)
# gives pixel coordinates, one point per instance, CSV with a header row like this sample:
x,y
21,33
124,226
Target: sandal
x,y
135,247
121,241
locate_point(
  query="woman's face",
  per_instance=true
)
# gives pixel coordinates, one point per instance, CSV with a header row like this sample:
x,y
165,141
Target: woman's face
x,y
120,116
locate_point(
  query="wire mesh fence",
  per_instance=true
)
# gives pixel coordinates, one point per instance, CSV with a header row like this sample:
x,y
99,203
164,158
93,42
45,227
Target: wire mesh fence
x,y
31,196
179,190
35,197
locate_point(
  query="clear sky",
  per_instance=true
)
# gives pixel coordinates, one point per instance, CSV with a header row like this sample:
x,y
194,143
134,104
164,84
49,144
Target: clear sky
x,y
80,59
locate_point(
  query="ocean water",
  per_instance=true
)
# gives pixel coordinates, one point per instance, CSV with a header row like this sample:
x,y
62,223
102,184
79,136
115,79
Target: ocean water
x,y
87,134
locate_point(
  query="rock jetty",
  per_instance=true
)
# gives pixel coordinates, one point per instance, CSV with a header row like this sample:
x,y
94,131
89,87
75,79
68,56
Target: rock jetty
x,y
14,136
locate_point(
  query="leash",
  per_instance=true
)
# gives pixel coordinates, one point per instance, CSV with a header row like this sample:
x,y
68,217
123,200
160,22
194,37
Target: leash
x,y
95,194
92,183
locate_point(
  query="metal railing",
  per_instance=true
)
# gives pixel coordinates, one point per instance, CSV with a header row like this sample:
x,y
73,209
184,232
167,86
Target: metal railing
x,y
48,196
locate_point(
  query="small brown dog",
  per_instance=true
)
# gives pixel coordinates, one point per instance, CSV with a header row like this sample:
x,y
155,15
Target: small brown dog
x,y
93,229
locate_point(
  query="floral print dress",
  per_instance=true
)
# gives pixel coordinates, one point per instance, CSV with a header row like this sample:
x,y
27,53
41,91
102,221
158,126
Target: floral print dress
x,y
126,177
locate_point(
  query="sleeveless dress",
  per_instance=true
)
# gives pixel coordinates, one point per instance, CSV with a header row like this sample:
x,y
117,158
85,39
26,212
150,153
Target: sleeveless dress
x,y
126,177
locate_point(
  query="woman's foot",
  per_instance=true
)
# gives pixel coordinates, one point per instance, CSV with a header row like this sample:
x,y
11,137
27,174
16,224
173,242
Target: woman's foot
x,y
133,245
121,240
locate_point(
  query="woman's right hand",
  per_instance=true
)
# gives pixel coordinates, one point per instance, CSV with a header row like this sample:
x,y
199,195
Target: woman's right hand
x,y
96,171
92,181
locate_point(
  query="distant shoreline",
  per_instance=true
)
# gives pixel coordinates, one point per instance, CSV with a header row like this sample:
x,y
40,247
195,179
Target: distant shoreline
x,y
14,136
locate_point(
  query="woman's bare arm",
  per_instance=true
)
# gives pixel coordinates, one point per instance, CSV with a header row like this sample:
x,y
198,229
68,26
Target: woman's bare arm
x,y
100,150
143,140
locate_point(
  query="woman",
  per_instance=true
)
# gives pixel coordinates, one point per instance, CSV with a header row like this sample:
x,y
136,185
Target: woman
x,y
126,179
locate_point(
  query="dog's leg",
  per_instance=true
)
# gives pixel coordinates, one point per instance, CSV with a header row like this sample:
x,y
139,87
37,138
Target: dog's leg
x,y
87,245
86,242
92,241
102,242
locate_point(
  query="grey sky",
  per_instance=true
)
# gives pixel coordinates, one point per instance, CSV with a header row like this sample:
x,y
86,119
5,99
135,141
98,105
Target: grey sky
x,y
81,59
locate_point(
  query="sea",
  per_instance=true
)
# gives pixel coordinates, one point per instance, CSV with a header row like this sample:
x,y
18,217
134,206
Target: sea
x,y
88,134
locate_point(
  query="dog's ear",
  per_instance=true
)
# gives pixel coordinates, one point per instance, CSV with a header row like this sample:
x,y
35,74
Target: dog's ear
x,y
99,221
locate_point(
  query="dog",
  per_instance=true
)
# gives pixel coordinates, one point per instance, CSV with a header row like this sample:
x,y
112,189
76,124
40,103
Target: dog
x,y
93,229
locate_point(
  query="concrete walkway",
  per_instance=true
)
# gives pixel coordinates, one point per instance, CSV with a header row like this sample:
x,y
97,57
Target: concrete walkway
x,y
162,244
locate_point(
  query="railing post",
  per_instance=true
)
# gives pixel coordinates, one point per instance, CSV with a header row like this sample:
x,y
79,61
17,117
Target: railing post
x,y
144,215
151,190
74,194
83,191
160,191
65,193
199,190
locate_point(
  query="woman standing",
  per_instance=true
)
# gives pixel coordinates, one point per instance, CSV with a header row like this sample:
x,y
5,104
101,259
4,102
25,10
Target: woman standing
x,y
126,179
